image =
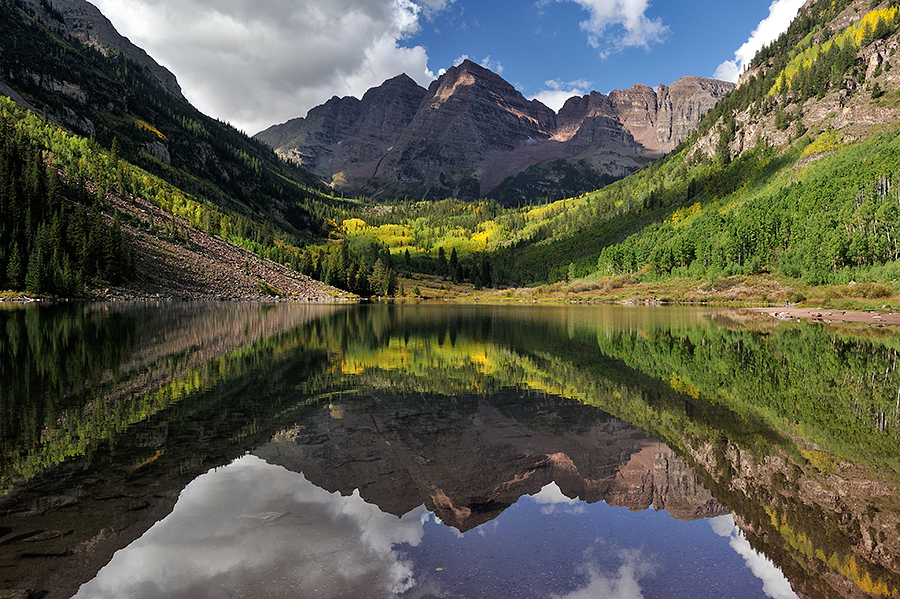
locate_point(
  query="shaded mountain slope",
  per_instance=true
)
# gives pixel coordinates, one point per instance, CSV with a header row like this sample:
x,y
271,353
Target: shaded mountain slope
x,y
65,59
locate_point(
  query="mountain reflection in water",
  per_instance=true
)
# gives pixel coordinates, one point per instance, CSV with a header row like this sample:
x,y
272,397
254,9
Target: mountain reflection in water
x,y
435,450
252,529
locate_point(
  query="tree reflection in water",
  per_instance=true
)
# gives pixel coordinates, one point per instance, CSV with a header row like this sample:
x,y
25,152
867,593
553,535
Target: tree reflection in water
x,y
112,411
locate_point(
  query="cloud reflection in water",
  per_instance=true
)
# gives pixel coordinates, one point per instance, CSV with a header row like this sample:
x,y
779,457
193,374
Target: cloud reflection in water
x,y
621,585
775,585
253,529
260,530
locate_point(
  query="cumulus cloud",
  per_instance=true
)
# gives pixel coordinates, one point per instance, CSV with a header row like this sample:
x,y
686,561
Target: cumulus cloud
x,y
253,525
624,584
556,92
259,63
615,25
775,585
781,14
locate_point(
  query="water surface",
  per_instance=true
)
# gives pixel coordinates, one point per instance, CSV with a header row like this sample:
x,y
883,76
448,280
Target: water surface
x,y
245,450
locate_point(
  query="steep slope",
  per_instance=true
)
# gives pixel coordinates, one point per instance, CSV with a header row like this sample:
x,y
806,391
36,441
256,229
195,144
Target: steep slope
x,y
346,137
66,60
469,115
197,198
795,173
471,130
83,21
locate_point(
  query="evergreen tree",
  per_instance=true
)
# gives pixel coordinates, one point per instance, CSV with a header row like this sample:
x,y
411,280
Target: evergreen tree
x,y
14,269
453,266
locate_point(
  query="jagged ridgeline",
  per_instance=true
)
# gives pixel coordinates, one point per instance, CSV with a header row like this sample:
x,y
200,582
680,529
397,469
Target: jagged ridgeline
x,y
793,173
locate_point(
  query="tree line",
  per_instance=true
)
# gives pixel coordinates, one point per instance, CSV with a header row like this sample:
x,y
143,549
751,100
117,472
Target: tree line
x,y
53,237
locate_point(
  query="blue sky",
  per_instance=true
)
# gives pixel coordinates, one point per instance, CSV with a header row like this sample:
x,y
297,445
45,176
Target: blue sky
x,y
255,63
532,43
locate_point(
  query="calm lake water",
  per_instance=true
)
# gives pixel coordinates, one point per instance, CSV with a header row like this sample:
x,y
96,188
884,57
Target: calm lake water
x,y
426,450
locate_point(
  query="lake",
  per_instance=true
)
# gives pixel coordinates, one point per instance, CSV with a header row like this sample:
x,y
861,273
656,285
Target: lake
x,y
439,450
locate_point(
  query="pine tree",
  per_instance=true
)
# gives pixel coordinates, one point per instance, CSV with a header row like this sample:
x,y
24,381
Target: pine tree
x,y
14,269
34,276
453,266
113,252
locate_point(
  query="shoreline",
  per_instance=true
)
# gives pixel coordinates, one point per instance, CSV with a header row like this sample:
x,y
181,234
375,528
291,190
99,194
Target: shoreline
x,y
830,315
785,313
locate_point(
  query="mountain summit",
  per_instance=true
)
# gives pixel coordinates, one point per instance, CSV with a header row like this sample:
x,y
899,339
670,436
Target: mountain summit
x,y
471,130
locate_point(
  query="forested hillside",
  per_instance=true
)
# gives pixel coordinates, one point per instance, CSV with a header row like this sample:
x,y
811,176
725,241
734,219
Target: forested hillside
x,y
808,150
108,97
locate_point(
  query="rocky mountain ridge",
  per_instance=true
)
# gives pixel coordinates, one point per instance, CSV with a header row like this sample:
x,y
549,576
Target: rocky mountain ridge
x,y
471,129
470,473
84,21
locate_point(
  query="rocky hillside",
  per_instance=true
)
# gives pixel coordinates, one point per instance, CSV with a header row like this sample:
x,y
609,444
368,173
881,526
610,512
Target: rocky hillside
x,y
471,130
83,21
187,263
831,72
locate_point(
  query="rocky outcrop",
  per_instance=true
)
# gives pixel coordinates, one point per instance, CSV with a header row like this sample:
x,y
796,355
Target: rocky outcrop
x,y
471,130
656,477
657,120
84,21
682,105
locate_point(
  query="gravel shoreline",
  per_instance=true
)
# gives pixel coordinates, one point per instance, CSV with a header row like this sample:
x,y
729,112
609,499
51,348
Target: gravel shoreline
x,y
827,316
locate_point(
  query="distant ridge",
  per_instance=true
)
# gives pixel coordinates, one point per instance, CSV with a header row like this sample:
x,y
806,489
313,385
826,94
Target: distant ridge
x,y
471,130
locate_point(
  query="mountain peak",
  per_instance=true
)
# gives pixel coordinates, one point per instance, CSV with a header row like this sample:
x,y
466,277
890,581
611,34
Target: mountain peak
x,y
471,129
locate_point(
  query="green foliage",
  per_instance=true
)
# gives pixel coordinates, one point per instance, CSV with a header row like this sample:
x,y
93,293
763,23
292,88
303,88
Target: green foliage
x,y
54,244
192,166
208,159
832,221
550,181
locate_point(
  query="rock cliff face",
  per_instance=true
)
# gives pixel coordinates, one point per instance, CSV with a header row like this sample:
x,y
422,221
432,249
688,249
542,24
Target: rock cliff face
x,y
346,137
84,21
658,120
471,130
470,472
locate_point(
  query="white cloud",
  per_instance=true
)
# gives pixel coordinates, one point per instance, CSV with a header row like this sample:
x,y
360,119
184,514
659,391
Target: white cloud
x,y
775,585
729,70
460,60
259,63
781,14
556,92
492,65
628,18
251,525
624,584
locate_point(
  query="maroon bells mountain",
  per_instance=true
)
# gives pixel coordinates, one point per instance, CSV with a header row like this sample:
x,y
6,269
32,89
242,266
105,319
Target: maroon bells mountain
x,y
470,130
